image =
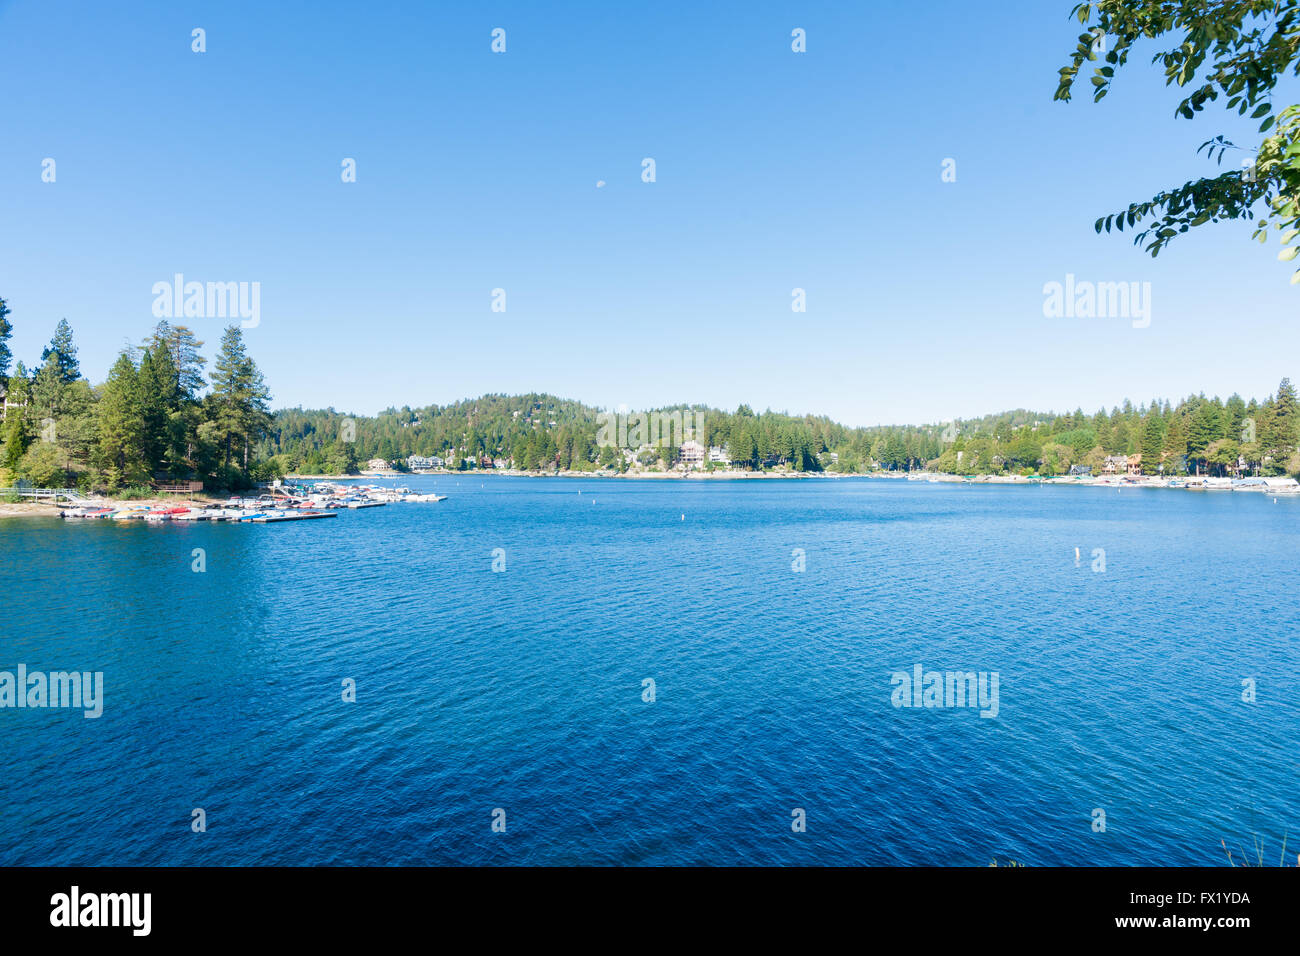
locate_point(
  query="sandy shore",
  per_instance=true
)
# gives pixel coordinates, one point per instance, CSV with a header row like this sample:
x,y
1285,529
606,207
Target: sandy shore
x,y
26,509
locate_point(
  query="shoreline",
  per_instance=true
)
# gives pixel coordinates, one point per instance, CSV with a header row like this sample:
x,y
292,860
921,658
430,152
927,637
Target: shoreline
x,y
47,509
1195,483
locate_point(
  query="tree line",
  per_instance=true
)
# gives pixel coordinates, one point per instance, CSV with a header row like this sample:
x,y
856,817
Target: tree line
x,y
155,419
1198,435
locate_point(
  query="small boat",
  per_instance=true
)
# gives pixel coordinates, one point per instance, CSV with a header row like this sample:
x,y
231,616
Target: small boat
x,y
85,511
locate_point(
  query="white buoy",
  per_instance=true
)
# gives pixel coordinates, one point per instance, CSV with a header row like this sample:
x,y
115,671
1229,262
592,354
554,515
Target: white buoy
x,y
683,517
1076,555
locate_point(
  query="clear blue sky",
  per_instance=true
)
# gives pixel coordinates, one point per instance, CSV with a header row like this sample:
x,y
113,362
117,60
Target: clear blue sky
x,y
476,170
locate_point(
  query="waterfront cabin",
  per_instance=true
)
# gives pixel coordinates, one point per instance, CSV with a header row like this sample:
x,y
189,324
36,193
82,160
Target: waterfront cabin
x,y
691,454
420,463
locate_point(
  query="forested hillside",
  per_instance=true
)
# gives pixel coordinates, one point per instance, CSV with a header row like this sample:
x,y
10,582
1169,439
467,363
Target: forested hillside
x,y
157,418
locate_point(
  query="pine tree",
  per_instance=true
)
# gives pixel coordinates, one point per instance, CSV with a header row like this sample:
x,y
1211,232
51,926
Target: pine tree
x,y
121,446
1283,420
239,401
6,330
156,389
1204,429
16,435
64,353
1234,417
183,348
1175,446
1153,439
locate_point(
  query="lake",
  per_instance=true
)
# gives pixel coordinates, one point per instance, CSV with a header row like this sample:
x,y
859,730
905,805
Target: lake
x,y
522,696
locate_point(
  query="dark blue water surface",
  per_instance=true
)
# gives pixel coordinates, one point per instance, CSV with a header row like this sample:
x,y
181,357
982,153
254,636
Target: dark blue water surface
x,y
522,690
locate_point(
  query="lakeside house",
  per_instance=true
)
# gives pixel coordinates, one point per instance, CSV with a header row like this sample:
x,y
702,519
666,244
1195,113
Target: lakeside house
x,y
5,404
421,463
1081,471
377,464
691,454
720,456
1122,465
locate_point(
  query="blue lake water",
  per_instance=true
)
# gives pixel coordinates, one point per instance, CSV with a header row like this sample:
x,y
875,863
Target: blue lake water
x,y
1119,690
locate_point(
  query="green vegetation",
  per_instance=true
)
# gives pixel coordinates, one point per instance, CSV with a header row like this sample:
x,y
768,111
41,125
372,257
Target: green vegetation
x,y
156,419
541,432
148,422
1257,844
1237,49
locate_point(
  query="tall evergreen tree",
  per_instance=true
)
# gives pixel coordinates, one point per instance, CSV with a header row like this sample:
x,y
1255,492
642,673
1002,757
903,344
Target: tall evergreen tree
x,y
183,348
1153,441
64,353
6,330
1175,446
1282,422
121,446
240,400
16,435
155,393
